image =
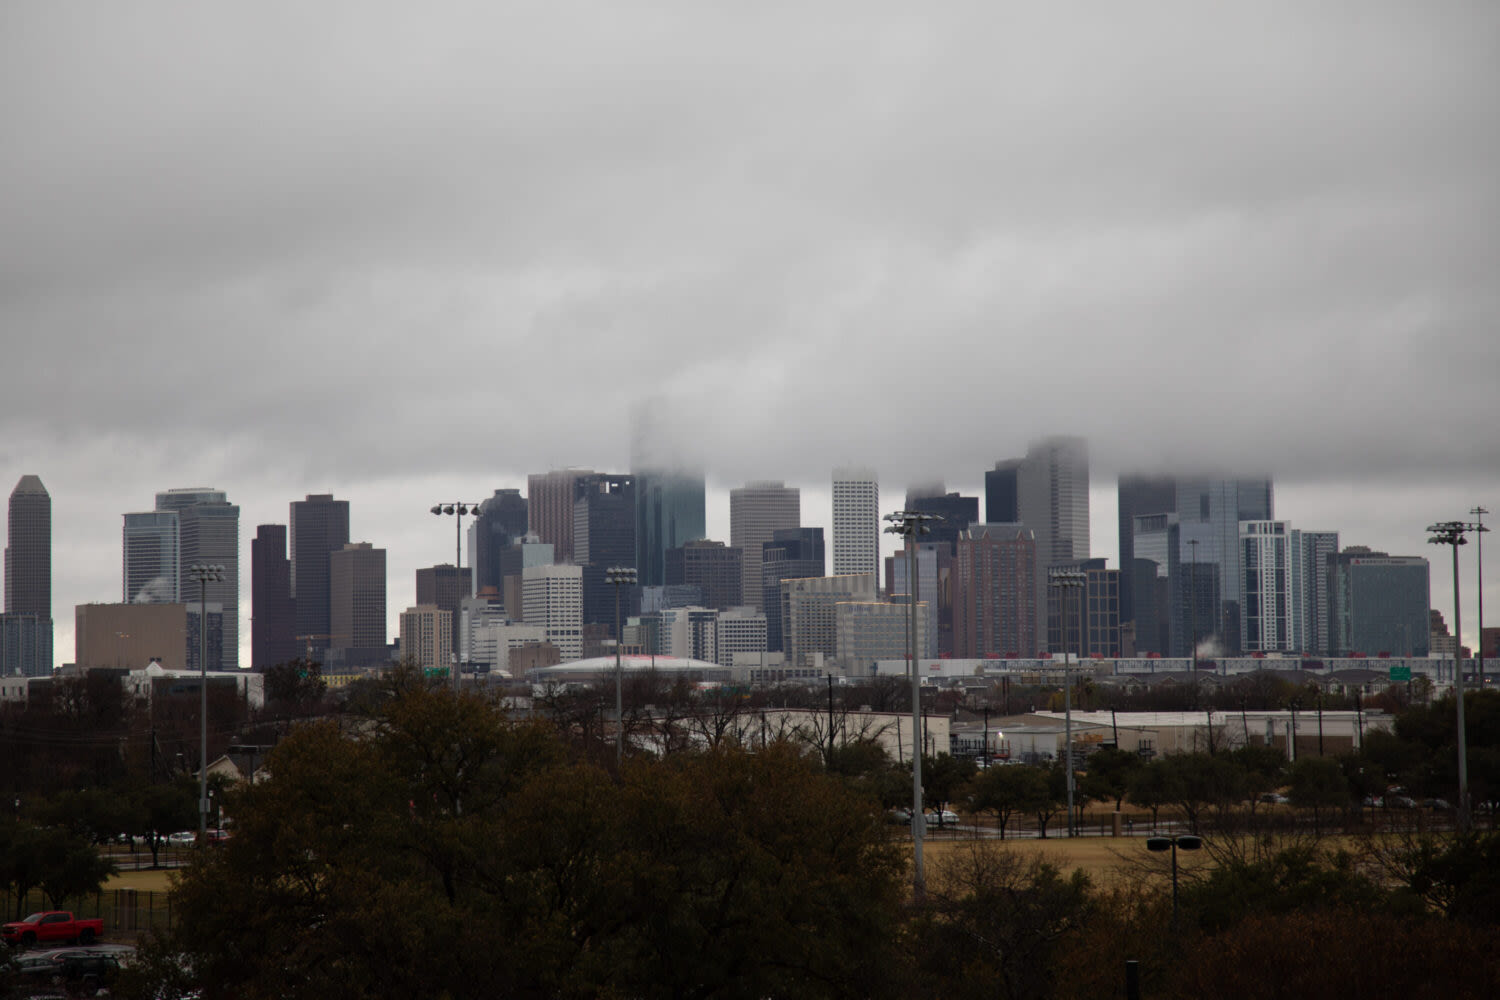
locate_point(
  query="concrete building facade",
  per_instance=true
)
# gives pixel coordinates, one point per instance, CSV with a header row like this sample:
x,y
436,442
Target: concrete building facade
x,y
856,521
552,597
357,589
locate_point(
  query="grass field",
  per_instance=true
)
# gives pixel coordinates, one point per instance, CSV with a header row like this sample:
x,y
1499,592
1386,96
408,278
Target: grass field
x,y
141,881
1103,859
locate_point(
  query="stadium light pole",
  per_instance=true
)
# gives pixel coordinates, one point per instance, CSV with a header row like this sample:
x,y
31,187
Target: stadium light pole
x,y
1065,580
1186,841
457,510
1479,530
204,573
619,576
911,525
1452,533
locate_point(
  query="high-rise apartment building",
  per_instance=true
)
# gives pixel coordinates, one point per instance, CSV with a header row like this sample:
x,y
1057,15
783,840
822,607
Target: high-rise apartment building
x,y
757,511
790,553
994,592
28,550
552,597
1318,547
670,512
856,521
319,527
1274,600
549,508
425,634
273,616
356,584
501,520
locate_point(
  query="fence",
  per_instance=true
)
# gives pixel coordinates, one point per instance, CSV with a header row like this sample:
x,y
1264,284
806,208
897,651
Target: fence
x,y
126,912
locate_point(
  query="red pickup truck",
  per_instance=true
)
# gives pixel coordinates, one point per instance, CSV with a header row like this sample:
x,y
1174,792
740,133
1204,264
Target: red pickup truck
x,y
52,925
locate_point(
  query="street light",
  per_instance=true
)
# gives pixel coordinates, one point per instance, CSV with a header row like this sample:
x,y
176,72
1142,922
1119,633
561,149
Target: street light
x,y
1187,842
910,524
458,510
619,576
1065,580
1452,533
204,573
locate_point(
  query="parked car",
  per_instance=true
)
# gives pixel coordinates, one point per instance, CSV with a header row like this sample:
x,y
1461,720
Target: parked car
x,y
1275,798
56,926
898,817
945,818
182,837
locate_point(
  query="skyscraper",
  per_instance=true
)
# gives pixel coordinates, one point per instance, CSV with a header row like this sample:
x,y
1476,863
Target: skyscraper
x,y
1318,547
501,520
1380,603
319,527
149,558
549,508
356,580
670,512
444,587
208,532
955,513
790,554
716,569
604,525
757,511
273,616
1138,496
994,585
1048,492
28,550
856,521
552,597
1273,603
1210,510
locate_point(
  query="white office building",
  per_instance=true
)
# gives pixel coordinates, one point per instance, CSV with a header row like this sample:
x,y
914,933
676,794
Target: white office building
x,y
856,522
552,597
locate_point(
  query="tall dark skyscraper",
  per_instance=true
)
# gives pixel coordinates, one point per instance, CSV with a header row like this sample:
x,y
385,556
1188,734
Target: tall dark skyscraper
x,y
26,625
273,616
1002,496
792,553
956,513
501,520
604,535
28,550
319,527
1139,496
670,512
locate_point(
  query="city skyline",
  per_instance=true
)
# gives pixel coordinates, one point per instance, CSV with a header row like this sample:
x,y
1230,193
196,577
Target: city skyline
x,y
414,255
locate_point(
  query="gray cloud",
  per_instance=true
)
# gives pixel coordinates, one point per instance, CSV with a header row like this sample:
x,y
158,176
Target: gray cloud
x,y
367,245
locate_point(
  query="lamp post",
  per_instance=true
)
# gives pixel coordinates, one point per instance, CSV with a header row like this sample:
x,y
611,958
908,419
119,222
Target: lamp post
x,y
1066,580
1193,614
458,510
1452,533
1187,842
910,525
619,576
1479,530
204,573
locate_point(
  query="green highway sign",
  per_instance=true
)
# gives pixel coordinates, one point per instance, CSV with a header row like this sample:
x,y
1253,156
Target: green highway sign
x,y
1401,673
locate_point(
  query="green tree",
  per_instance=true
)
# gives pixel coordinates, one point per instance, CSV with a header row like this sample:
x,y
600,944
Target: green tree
x,y
1318,783
439,848
1150,787
1008,790
1109,773
944,779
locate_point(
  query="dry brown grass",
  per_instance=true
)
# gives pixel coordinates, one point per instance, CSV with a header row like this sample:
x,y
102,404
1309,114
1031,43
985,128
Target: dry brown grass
x,y
1104,859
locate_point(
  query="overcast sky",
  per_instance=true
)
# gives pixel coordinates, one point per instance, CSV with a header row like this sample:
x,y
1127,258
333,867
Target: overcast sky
x,y
411,252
